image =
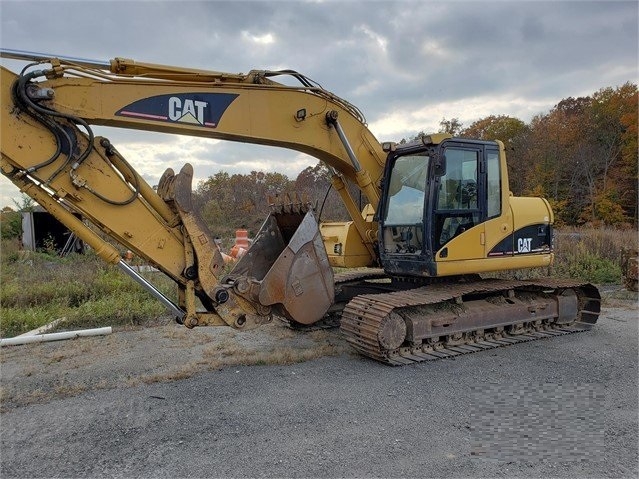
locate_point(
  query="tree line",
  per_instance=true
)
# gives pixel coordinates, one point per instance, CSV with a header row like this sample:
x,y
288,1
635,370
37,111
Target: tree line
x,y
227,202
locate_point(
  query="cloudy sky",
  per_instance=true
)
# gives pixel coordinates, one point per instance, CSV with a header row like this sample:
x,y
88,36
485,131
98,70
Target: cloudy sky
x,y
405,64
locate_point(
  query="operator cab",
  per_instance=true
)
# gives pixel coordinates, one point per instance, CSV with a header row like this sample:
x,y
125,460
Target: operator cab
x,y
437,189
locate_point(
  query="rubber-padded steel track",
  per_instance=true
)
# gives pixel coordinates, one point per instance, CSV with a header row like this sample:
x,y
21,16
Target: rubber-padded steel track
x,y
364,318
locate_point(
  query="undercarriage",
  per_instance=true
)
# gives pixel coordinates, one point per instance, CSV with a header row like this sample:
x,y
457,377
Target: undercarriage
x,y
424,323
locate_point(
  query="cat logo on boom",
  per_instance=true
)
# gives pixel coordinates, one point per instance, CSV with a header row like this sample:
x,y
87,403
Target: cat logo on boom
x,y
187,110
197,109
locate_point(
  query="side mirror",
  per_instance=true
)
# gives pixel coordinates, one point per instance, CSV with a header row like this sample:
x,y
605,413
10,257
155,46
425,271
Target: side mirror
x,y
439,165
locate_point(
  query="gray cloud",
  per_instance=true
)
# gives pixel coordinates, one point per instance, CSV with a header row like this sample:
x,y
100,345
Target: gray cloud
x,y
485,46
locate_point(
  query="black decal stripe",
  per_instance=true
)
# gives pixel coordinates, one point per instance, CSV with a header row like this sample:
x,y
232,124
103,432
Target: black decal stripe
x,y
540,236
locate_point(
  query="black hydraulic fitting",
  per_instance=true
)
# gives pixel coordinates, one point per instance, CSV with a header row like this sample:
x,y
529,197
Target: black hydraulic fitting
x,y
221,296
190,272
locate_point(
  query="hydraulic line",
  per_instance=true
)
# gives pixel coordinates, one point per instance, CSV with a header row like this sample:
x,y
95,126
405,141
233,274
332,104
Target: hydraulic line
x,y
46,122
133,177
22,82
328,190
42,115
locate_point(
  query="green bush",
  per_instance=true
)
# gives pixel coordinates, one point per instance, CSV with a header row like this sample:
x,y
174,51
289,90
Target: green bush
x,y
591,254
589,267
10,224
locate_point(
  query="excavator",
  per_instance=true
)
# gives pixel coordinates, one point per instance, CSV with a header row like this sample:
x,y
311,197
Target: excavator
x,y
415,263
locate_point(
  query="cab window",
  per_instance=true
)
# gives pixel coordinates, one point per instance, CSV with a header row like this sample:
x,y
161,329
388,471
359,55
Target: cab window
x,y
457,203
494,184
458,187
404,214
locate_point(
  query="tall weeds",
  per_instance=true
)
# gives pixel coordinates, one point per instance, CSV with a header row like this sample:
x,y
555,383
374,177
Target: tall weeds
x,y
592,254
37,287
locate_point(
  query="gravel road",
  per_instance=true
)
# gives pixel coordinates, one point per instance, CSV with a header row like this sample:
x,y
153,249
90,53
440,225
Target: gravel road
x,y
563,407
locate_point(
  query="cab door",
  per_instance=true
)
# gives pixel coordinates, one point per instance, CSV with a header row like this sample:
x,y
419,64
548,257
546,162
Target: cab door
x,y
460,204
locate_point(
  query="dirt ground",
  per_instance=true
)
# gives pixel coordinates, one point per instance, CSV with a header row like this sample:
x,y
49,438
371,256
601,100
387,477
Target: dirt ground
x,y
166,351
40,372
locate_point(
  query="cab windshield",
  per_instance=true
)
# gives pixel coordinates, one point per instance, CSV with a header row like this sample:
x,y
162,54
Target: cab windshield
x,y
406,191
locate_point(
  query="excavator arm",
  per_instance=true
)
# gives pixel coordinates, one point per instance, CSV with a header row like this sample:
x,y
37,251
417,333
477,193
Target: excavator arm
x,y
50,152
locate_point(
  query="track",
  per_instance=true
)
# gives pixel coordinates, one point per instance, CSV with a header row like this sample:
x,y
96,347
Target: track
x,y
443,320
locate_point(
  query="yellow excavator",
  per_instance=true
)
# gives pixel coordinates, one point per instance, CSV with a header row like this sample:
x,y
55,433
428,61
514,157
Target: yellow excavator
x,y
439,211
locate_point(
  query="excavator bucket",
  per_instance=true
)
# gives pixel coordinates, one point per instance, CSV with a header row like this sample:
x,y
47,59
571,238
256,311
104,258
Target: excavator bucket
x,y
287,266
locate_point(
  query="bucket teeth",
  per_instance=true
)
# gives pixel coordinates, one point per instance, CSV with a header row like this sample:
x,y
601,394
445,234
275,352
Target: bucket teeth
x,y
290,203
165,185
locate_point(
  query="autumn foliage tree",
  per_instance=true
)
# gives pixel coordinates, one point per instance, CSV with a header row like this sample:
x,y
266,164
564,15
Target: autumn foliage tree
x,y
228,202
582,156
613,117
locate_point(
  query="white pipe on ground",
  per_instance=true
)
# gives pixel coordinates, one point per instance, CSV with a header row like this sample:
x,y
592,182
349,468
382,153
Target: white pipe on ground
x,y
38,338
45,328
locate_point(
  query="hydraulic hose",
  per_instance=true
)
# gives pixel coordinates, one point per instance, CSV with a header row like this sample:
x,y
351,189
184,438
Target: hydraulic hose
x,y
22,82
62,136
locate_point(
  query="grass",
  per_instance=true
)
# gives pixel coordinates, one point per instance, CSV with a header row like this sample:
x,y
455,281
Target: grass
x,y
228,353
37,288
